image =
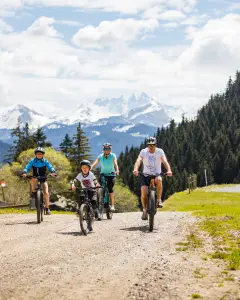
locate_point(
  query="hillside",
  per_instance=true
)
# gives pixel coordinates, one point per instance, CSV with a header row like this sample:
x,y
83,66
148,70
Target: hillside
x,y
211,142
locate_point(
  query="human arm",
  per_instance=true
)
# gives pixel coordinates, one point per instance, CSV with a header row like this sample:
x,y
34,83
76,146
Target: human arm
x,y
166,165
95,163
116,165
50,168
137,164
27,168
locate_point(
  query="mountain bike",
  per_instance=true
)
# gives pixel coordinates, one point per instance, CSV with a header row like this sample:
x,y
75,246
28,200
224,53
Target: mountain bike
x,y
151,197
39,200
85,210
104,198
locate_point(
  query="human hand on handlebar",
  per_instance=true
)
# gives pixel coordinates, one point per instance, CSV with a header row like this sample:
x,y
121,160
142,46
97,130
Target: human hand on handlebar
x,y
53,174
169,173
135,172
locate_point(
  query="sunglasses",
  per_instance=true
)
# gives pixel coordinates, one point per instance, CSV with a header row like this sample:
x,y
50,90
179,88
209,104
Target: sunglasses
x,y
107,148
151,145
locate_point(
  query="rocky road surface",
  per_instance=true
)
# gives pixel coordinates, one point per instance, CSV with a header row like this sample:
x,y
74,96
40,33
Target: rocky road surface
x,y
121,259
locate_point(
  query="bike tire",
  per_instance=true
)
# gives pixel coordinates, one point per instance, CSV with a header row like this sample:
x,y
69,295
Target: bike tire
x,y
152,209
100,203
42,206
83,219
38,206
91,219
109,213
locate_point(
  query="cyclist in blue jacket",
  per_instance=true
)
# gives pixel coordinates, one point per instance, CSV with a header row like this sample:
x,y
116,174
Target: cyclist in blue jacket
x,y
39,166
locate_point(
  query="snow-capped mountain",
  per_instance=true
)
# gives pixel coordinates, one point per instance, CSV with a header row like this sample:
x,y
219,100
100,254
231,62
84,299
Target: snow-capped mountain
x,y
10,116
121,121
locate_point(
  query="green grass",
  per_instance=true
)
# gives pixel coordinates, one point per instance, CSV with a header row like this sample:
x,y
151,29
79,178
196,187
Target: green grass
x,y
26,211
196,296
219,216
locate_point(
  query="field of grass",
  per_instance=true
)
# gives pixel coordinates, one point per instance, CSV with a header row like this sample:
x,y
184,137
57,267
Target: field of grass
x,y
219,215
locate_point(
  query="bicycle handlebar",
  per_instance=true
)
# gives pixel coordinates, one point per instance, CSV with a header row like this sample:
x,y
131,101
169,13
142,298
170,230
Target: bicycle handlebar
x,y
88,189
152,175
108,174
38,177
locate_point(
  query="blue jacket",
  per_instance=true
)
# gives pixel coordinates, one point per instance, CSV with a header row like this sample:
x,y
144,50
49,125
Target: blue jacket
x,y
39,167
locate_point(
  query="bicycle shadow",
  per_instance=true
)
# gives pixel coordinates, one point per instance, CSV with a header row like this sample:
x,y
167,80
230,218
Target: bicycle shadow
x,y
144,228
22,223
72,233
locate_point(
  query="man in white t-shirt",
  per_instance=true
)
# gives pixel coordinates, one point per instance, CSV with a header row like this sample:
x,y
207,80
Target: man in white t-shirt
x,y
152,159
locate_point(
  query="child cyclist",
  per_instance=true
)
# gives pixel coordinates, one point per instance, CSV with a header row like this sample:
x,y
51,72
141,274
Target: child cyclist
x,y
87,180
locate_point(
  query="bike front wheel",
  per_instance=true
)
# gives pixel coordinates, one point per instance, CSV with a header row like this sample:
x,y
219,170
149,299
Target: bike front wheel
x,y
100,203
86,218
38,206
151,209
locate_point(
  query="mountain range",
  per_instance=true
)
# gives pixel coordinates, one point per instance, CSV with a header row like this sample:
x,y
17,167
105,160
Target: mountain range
x,y
120,121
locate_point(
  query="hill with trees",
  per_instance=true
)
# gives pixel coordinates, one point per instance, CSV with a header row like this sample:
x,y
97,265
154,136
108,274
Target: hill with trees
x,y
211,141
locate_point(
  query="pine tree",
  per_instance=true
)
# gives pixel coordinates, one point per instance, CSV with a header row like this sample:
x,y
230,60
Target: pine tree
x,y
81,149
40,138
18,135
66,145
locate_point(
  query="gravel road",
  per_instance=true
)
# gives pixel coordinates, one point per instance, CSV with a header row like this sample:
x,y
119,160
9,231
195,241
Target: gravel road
x,y
119,260
232,189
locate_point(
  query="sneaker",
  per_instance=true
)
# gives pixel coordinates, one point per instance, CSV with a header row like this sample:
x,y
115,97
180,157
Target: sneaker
x,y
48,212
160,203
144,215
112,208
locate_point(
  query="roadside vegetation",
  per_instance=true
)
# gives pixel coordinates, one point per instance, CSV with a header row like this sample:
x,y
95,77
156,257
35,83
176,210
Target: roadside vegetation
x,y
219,218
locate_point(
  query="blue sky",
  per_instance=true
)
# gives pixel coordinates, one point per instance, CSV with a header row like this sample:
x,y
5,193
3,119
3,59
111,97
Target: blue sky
x,y
66,52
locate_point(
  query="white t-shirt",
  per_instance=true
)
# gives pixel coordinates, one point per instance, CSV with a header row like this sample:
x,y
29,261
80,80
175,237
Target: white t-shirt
x,y
86,181
152,161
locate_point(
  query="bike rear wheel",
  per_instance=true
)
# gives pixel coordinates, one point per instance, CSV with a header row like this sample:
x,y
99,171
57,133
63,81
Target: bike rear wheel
x,y
38,206
100,203
151,209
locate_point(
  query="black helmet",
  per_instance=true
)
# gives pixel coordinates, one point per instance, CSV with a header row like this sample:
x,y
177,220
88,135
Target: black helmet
x,y
85,163
151,141
107,145
39,149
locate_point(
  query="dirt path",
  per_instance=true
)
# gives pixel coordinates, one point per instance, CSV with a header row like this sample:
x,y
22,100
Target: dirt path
x,y
120,260
229,189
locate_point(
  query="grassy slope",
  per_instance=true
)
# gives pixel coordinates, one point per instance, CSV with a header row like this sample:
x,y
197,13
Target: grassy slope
x,y
219,216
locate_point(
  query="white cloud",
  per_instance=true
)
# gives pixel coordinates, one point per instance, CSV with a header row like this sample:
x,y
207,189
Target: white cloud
x,y
43,26
37,65
123,6
171,15
216,46
110,32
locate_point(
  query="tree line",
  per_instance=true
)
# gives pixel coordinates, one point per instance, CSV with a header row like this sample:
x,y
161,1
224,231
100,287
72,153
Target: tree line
x,y
210,142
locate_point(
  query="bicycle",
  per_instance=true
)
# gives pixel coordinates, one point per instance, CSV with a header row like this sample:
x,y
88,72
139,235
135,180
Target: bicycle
x,y
103,197
151,197
39,200
85,210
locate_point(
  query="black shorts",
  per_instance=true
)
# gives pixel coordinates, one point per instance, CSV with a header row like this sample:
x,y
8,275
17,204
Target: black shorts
x,y
110,180
145,180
